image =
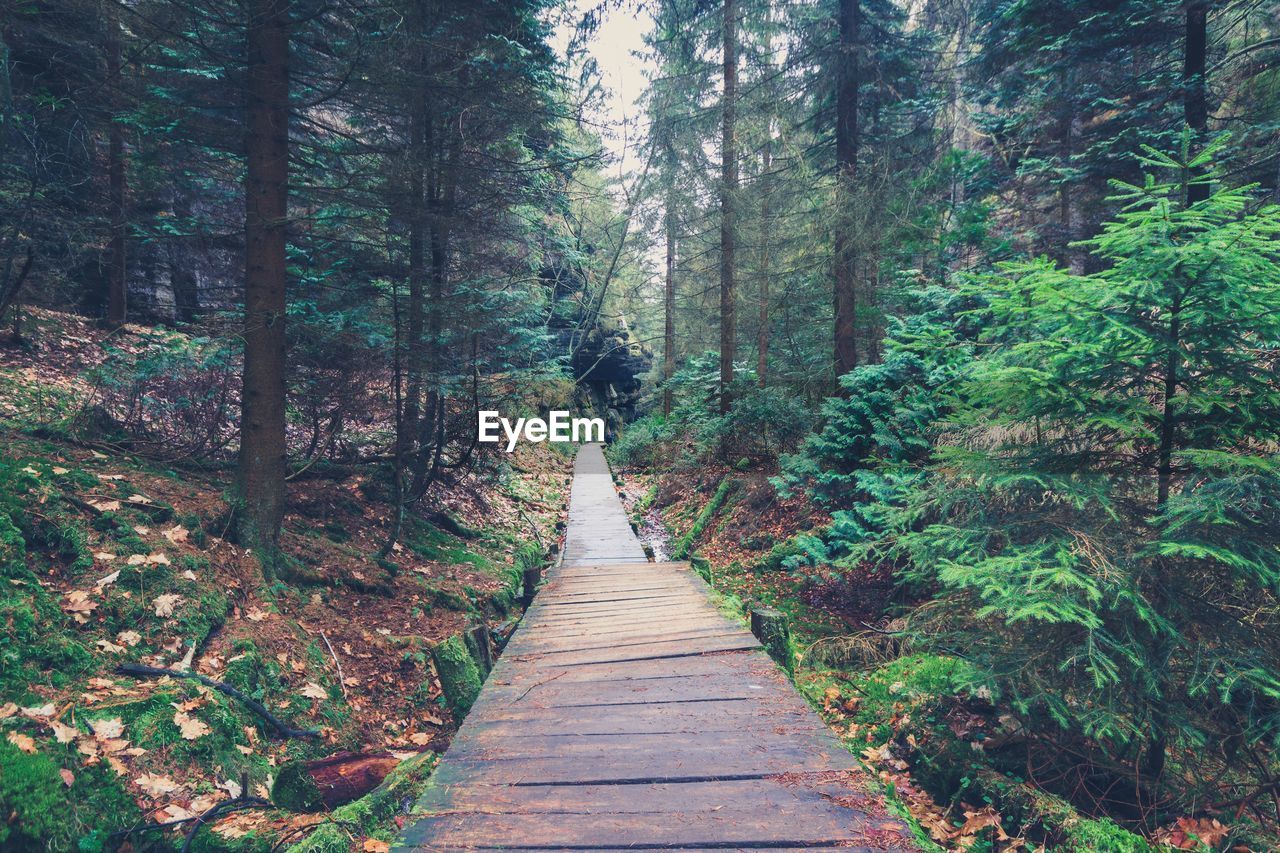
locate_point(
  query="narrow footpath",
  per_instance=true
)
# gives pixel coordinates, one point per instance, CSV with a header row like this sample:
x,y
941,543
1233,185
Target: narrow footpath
x,y
627,713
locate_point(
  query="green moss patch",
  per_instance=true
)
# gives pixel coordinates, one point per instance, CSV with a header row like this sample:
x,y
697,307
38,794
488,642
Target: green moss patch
x,y
460,677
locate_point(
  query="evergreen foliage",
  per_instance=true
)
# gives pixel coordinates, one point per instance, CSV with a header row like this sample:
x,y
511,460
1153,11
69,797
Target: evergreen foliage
x,y
1100,512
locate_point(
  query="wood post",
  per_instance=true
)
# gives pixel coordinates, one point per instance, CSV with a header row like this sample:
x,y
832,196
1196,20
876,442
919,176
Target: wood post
x,y
481,645
532,577
772,630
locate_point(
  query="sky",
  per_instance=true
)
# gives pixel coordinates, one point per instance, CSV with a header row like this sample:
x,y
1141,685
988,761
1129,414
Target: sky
x,y
614,47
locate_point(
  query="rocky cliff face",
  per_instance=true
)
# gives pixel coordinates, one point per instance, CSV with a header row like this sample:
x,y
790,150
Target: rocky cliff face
x,y
183,275
608,366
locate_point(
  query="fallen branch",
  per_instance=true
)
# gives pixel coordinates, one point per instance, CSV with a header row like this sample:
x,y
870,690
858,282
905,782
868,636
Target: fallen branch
x,y
225,807
342,681
142,671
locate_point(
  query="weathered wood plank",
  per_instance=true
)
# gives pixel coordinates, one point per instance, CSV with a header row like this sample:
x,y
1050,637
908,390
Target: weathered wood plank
x,y
628,713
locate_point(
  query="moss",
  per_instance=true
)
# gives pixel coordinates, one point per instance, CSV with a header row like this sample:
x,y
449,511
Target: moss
x,y
774,633
432,543
150,723
295,790
645,503
368,814
1047,816
438,596
33,647
118,528
460,677
685,544
43,813
208,841
702,566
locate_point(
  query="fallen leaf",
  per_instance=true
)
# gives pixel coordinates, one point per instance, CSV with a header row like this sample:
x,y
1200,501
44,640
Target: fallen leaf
x,y
192,728
129,638
156,786
62,732
373,845
232,787
204,802
59,471
109,728
79,605
108,579
176,534
39,712
175,812
256,614
105,506
68,778
166,603
22,742
109,647
314,691
104,557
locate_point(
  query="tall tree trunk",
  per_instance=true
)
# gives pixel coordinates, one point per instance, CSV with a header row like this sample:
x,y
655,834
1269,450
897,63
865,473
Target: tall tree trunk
x,y
441,195
1157,750
117,269
762,331
260,493
1195,103
416,309
846,287
766,186
728,193
669,306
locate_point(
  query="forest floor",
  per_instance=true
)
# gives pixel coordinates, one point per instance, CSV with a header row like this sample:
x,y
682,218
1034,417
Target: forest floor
x,y
118,557
904,713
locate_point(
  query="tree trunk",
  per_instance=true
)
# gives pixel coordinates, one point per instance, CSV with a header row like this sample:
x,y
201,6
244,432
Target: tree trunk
x,y
260,472
845,299
1195,103
1157,750
117,269
762,330
728,191
669,306
414,346
326,783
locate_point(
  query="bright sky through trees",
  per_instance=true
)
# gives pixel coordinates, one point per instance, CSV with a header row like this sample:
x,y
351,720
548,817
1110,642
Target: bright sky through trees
x,y
617,116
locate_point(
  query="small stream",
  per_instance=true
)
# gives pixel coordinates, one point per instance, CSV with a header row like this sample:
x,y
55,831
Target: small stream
x,y
654,536
651,531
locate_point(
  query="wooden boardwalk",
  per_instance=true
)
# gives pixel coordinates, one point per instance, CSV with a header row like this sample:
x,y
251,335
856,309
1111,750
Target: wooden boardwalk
x,y
627,713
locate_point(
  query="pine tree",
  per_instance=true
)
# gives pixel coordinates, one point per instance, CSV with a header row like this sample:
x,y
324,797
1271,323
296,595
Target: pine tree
x,y
1102,514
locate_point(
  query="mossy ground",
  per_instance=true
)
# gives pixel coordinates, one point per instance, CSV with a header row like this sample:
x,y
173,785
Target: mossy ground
x,y
108,557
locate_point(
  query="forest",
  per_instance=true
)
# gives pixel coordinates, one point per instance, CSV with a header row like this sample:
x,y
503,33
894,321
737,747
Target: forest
x,y
950,330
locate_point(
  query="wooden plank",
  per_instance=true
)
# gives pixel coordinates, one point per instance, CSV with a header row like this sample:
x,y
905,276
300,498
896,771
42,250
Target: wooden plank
x,y
813,823
628,713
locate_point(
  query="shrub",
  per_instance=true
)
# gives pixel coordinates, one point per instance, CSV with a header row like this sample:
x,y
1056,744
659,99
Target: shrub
x,y
175,398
